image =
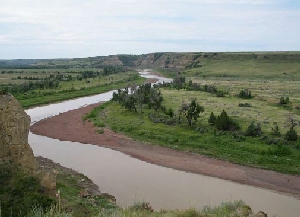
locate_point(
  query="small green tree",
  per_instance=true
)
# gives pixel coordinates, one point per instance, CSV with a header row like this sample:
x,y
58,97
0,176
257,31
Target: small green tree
x,y
245,94
284,101
155,98
224,122
275,129
212,119
191,111
179,81
253,129
291,135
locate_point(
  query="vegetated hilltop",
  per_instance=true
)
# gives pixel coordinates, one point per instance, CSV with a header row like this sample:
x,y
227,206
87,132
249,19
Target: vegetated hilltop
x,y
162,61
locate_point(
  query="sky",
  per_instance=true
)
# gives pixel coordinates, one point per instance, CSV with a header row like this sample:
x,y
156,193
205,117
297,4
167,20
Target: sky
x,y
83,28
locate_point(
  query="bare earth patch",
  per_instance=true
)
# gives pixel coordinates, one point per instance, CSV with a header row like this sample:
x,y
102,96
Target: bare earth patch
x,y
70,127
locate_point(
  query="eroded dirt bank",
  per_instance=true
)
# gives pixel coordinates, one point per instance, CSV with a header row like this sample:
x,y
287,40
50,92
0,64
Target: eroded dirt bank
x,y
70,127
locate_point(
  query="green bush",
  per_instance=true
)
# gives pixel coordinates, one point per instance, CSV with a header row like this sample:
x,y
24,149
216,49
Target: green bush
x,y
284,101
245,94
253,129
291,135
275,129
212,119
224,122
245,104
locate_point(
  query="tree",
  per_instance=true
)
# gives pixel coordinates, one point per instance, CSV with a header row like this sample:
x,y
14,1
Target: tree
x,y
155,98
275,129
291,135
246,94
254,129
212,119
179,81
191,111
284,101
224,122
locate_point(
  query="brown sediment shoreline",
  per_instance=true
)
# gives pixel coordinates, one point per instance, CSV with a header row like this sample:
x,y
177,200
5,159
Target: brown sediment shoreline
x,y
69,126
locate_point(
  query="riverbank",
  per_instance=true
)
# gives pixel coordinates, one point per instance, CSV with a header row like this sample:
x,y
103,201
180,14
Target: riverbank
x,y
78,194
62,95
70,127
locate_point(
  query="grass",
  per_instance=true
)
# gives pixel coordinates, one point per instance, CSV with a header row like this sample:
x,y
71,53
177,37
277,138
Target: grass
x,y
21,193
203,138
75,89
236,208
79,206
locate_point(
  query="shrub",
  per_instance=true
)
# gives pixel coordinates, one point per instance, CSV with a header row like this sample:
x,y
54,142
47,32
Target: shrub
x,y
254,129
224,122
284,101
245,104
245,94
220,93
171,121
170,112
274,141
275,129
3,91
238,136
141,206
201,130
212,119
291,135
157,117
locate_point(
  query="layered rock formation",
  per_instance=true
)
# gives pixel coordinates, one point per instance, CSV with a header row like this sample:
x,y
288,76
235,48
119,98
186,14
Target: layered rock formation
x,y
14,148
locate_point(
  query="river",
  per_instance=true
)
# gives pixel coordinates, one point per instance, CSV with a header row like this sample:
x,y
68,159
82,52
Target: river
x,y
130,179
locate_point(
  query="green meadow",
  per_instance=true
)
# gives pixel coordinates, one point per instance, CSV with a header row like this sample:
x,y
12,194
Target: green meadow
x,y
268,80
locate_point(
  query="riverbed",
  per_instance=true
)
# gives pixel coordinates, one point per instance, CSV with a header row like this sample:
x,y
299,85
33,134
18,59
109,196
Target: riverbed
x,y
130,179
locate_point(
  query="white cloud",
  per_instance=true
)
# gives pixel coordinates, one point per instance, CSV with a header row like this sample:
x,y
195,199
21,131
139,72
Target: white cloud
x,y
75,28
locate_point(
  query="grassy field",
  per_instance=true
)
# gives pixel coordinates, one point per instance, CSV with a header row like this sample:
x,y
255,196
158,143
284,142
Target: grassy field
x,y
205,139
66,89
243,65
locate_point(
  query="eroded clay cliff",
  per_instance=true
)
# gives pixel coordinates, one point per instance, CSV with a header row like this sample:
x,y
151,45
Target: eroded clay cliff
x,y
14,147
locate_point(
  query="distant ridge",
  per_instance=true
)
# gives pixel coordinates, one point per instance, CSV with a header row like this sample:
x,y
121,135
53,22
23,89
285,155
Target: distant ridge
x,y
160,60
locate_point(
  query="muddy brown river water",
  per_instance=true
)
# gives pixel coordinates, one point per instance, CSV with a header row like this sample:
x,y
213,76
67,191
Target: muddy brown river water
x,y
130,179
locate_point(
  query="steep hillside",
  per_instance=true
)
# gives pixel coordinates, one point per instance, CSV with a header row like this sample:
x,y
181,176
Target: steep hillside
x,y
168,61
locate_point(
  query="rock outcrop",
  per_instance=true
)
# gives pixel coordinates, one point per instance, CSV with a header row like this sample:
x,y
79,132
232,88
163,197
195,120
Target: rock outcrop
x,y
14,148
14,129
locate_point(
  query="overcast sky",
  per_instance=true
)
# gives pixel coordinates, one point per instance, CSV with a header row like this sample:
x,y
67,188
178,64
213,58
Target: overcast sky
x,y
82,28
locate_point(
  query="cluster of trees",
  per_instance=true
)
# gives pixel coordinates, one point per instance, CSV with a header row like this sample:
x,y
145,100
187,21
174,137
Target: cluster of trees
x,y
136,97
25,87
108,70
151,97
180,83
59,77
223,122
